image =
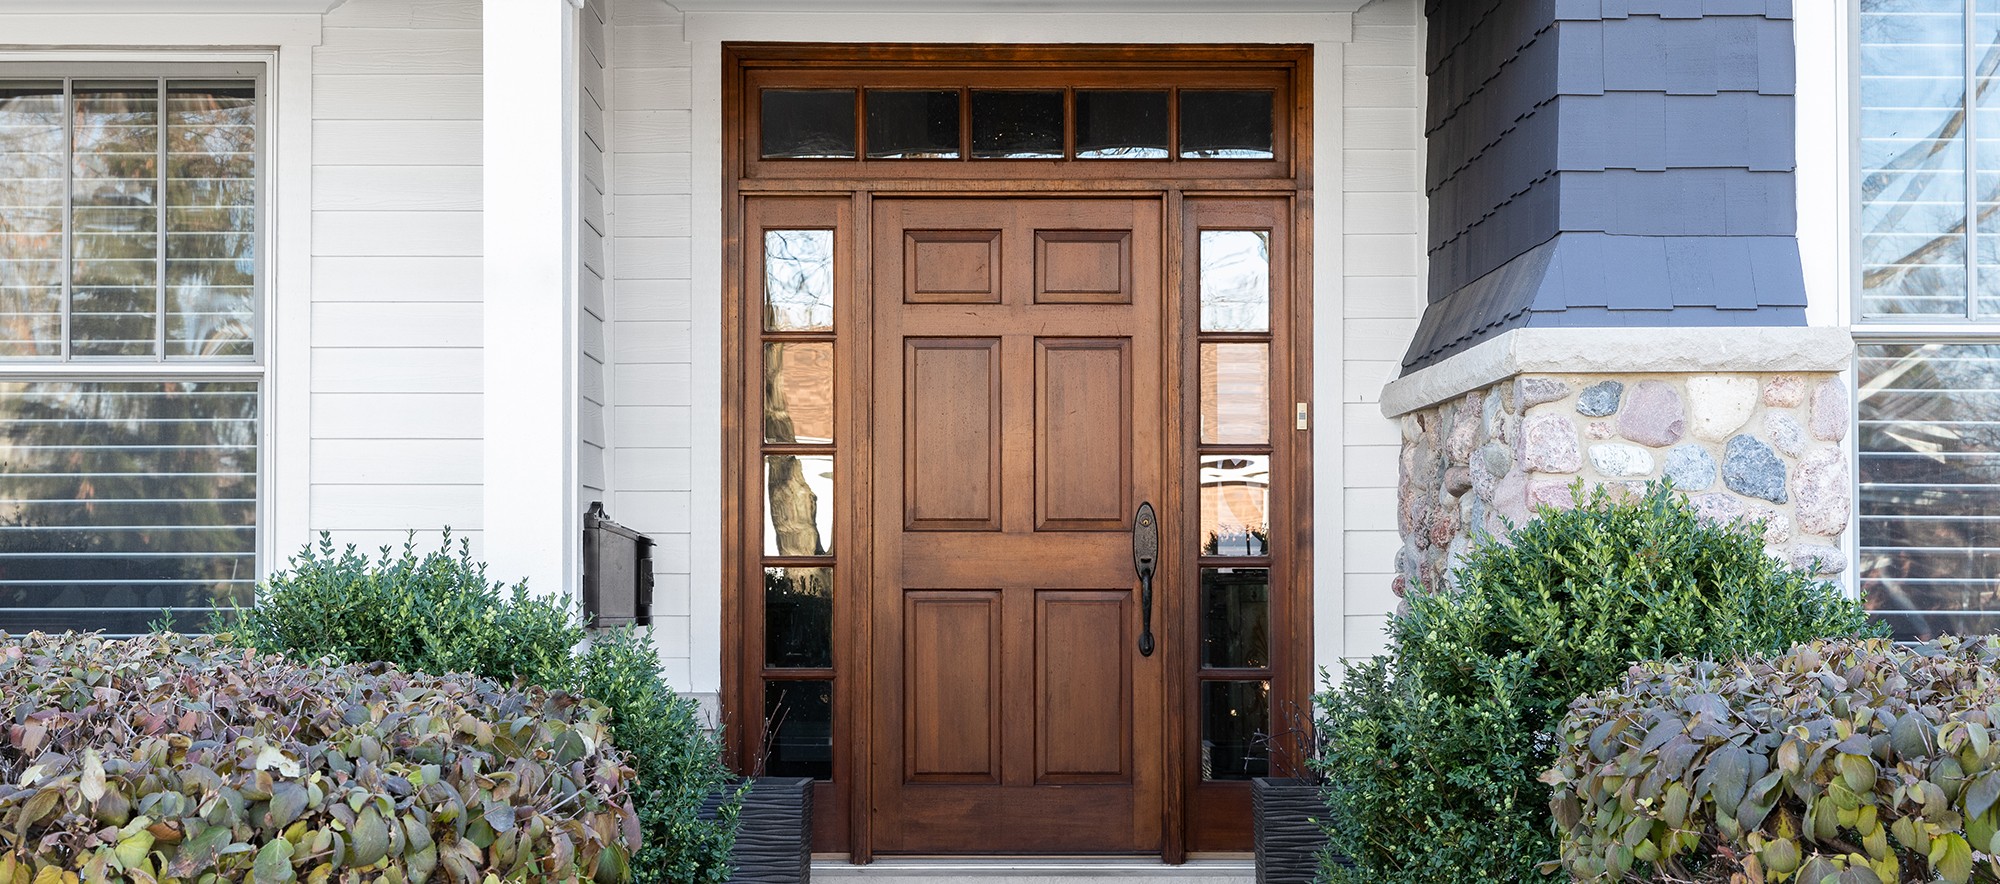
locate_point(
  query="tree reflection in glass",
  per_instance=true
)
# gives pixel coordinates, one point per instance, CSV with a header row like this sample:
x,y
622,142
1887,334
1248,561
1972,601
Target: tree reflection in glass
x,y
798,504
1235,280
1235,505
31,224
798,280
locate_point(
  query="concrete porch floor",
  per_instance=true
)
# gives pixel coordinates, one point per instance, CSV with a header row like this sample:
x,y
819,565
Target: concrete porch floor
x,y
1041,870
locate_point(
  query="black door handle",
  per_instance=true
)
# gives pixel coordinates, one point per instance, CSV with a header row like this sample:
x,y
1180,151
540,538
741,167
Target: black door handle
x,y
1145,554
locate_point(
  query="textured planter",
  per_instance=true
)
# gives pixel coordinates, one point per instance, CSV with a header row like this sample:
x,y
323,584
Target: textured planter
x,y
1286,817
774,831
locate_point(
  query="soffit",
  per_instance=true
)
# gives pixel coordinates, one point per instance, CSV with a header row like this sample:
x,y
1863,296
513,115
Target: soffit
x,y
1072,6
173,7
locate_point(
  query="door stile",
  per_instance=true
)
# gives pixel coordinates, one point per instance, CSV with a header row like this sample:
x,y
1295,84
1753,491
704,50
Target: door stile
x,y
1174,542
1299,347
860,703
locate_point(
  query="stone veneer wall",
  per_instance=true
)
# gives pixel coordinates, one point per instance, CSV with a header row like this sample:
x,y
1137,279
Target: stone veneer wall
x,y
1743,446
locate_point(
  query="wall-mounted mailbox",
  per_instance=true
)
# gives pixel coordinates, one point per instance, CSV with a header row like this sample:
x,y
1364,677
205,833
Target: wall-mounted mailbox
x,y
617,572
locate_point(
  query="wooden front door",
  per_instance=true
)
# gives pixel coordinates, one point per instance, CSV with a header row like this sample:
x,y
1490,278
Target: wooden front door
x,y
1018,423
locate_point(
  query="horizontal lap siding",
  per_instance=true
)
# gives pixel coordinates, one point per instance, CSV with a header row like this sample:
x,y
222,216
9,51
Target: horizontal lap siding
x,y
396,315
1382,209
648,300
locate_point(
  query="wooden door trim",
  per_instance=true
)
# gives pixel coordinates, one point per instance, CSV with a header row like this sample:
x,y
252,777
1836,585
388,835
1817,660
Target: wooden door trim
x,y
741,512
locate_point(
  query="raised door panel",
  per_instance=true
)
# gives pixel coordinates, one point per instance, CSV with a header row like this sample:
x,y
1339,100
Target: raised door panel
x,y
952,432
951,267
1083,702
952,697
1083,434
1083,266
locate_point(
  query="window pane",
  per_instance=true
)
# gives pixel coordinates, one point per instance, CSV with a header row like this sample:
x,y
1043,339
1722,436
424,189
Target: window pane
x,y
1235,716
799,723
114,275
1913,187
1017,125
913,125
31,244
798,617
798,392
1121,125
1929,439
1235,618
811,124
118,500
211,218
1235,394
1235,280
798,280
1229,125
798,504
1235,502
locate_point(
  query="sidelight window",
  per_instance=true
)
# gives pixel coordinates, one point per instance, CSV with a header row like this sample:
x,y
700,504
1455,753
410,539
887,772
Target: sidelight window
x,y
129,280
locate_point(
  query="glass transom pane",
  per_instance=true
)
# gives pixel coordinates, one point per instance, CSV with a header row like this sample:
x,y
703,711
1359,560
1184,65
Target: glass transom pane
x,y
1227,124
798,280
911,125
808,124
1235,280
119,501
1121,125
1017,125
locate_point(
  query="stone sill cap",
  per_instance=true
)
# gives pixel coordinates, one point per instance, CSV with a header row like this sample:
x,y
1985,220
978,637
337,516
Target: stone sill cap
x,y
1619,351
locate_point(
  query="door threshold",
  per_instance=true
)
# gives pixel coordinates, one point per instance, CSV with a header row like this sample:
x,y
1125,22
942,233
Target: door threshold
x,y
1220,869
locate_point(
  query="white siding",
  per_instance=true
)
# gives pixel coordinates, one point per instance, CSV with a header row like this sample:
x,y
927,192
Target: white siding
x,y
1382,210
649,303
396,318
594,96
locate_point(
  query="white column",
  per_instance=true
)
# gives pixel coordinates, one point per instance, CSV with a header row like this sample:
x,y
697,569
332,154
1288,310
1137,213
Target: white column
x,y
531,518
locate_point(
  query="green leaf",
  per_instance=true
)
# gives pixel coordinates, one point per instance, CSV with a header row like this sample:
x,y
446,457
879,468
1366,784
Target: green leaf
x,y
274,863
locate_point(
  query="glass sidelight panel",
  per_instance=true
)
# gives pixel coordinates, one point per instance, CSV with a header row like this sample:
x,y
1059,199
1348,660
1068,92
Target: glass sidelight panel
x,y
798,735
798,618
1235,394
808,124
798,280
1121,125
1235,505
1227,124
1235,618
1235,280
1234,715
798,504
1017,125
913,125
798,392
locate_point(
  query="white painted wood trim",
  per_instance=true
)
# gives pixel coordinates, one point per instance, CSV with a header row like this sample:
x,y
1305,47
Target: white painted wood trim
x,y
1329,352
173,7
959,7
35,31
1045,27
529,321
1824,140
1619,351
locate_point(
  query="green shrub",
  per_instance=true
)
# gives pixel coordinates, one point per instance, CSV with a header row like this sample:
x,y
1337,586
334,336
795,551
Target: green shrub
x,y
1840,761
438,613
1434,750
175,759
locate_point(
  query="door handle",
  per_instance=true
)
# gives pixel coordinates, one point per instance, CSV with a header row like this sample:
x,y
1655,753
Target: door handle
x,y
1145,556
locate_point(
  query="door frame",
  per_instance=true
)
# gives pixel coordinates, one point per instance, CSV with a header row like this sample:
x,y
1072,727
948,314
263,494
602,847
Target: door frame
x,y
844,190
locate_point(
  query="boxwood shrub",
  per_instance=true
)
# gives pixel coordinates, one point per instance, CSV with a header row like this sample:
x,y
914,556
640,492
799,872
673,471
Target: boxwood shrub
x,y
1434,748
438,612
1837,762
176,759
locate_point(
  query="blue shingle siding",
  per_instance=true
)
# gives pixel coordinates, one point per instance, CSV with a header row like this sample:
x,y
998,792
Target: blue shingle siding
x,y
1608,163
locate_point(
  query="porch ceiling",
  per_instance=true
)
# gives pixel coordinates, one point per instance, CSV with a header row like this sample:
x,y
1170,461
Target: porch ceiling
x,y
1126,6
172,7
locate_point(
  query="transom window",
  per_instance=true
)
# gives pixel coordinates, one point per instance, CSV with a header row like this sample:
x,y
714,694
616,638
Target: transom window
x,y
130,377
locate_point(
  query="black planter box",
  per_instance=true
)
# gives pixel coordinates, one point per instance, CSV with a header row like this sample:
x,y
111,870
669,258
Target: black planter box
x,y
774,831
1286,816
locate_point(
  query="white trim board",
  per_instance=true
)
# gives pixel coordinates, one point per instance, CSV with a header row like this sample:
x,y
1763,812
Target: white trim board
x,y
172,7
1127,7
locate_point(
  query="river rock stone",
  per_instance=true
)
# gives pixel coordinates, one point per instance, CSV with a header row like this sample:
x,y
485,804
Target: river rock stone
x,y
1548,445
1777,525
1551,493
1464,437
1717,508
1691,468
1598,431
1785,433
1457,481
1829,411
1822,489
1489,463
1510,499
1752,469
1719,406
1600,399
1785,391
1530,392
1653,415
1825,561
1620,461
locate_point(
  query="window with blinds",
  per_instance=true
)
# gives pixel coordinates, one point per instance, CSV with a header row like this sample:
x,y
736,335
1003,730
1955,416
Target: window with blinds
x,y
130,376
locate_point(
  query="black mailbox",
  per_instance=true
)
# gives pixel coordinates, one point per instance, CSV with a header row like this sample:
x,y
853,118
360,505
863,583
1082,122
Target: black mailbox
x,y
617,572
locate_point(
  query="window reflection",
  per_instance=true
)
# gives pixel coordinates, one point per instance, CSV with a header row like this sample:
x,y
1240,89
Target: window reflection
x,y
1017,125
798,504
798,617
807,124
798,280
1235,505
1235,618
798,392
211,218
31,223
114,190
800,717
1235,280
1233,716
1235,394
1227,124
